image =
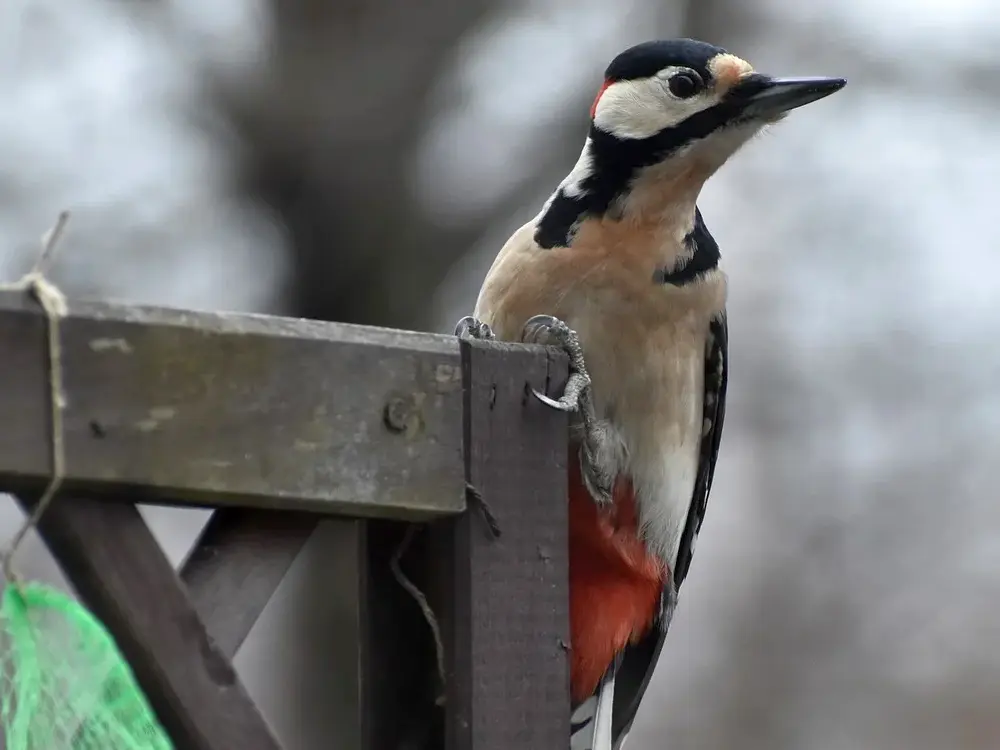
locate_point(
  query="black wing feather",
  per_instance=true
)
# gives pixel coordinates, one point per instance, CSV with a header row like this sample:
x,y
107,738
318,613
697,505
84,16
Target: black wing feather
x,y
639,660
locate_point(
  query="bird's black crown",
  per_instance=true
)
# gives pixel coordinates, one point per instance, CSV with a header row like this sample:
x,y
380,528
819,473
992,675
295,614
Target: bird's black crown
x,y
644,60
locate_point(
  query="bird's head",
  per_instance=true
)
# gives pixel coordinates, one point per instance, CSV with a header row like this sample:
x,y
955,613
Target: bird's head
x,y
682,99
667,116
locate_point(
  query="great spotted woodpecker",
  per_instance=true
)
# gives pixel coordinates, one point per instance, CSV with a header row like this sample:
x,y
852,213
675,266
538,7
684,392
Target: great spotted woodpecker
x,y
620,269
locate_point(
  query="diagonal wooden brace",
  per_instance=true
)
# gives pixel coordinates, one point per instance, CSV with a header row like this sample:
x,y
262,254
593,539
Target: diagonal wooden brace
x,y
117,567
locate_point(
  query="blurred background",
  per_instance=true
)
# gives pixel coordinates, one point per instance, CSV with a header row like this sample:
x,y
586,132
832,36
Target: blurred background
x,y
364,160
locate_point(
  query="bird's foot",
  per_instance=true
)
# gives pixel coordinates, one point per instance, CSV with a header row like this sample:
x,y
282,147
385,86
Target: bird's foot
x,y
550,331
473,328
577,397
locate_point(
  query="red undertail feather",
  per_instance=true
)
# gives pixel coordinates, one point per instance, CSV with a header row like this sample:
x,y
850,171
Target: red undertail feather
x,y
615,584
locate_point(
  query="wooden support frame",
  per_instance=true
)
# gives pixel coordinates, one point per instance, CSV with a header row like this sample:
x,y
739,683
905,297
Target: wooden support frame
x,y
298,419
234,568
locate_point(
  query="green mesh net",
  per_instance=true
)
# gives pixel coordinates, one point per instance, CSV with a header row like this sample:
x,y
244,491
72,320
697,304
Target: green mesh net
x,y
65,685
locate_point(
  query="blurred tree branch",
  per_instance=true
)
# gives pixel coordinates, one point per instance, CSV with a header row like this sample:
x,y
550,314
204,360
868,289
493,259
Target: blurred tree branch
x,y
328,133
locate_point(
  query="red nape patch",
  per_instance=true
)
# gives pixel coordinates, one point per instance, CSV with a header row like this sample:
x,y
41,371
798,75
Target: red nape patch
x,y
593,107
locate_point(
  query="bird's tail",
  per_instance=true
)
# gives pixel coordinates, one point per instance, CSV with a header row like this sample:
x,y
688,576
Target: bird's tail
x,y
603,736
592,720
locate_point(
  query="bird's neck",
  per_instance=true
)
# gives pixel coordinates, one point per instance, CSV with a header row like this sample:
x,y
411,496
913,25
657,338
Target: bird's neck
x,y
614,181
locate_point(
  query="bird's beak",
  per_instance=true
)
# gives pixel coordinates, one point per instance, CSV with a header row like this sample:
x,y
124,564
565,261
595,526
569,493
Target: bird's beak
x,y
760,96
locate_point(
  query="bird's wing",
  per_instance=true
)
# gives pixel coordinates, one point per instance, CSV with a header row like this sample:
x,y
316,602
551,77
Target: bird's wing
x,y
637,661
714,414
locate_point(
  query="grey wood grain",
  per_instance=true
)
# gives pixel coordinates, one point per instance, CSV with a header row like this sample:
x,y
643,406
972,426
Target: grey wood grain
x,y
226,409
503,602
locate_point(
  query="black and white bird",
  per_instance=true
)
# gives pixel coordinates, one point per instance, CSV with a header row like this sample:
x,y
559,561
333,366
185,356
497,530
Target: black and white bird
x,y
620,269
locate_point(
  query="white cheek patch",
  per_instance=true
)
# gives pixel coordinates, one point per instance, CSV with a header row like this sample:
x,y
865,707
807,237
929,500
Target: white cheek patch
x,y
639,109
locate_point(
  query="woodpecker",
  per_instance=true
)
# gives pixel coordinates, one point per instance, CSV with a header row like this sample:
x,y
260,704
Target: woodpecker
x,y
620,270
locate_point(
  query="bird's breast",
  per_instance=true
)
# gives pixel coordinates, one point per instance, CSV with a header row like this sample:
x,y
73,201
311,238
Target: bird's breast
x,y
652,400
644,344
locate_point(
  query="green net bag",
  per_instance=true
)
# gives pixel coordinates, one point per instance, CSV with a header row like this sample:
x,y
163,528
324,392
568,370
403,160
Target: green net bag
x,y
65,685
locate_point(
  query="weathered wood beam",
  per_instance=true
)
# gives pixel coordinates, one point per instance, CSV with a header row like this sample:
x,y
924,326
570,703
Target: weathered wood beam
x,y
233,409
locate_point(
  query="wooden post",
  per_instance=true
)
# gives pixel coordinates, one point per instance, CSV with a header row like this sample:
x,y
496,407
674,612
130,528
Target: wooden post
x,y
503,602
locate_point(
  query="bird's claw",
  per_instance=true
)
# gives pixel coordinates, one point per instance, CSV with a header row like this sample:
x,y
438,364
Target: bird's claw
x,y
473,328
548,330
551,402
576,397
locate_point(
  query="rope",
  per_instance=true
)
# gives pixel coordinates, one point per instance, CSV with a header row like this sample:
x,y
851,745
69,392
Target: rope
x,y
421,600
54,305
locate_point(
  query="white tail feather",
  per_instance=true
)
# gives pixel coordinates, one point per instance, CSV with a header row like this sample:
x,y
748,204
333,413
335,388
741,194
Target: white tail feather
x,y
603,737
592,719
582,720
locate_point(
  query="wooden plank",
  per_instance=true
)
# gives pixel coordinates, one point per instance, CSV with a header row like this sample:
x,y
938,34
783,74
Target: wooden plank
x,y
114,563
503,602
225,409
236,566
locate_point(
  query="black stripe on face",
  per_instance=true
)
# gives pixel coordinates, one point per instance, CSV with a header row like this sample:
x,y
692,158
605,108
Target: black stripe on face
x,y
616,162
705,256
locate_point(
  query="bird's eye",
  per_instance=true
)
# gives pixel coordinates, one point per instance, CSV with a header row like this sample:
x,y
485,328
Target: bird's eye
x,y
684,85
